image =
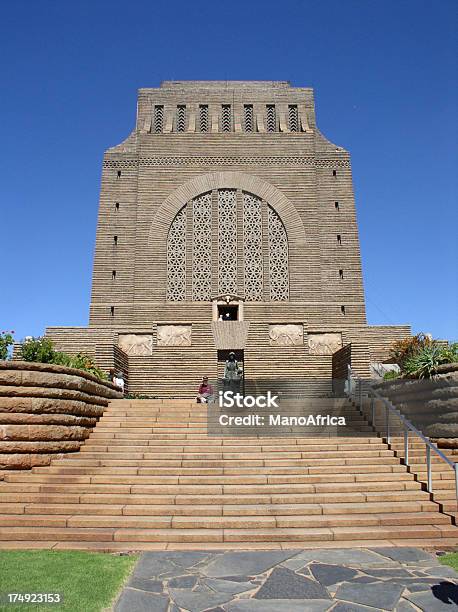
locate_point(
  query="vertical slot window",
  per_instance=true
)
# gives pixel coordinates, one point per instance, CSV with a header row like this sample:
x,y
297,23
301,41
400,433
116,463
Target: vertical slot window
x,y
293,118
248,118
158,119
181,118
271,118
226,118
203,118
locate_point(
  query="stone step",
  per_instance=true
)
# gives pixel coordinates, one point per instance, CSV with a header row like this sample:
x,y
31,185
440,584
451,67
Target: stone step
x,y
213,489
152,445
222,522
46,477
291,534
216,510
18,496
101,458
108,451
184,471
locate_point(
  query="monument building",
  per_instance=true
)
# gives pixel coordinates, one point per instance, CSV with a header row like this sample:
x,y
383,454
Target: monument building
x,y
226,223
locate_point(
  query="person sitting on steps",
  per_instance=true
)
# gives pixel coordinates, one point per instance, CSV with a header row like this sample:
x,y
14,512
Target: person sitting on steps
x,y
205,391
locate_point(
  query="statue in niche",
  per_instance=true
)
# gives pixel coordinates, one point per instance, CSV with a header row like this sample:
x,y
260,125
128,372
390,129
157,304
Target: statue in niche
x,y
232,374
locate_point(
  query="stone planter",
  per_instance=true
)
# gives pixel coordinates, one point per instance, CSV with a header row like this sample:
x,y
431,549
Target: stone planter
x,y
431,405
46,410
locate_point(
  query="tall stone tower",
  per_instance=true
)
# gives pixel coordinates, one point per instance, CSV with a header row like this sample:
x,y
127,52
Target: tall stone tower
x,y
226,223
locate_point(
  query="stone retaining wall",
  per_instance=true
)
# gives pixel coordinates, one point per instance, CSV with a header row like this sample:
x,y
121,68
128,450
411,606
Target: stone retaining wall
x,y
431,405
46,410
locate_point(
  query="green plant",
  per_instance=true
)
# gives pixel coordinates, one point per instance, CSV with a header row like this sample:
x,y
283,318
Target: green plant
x,y
424,362
41,350
6,340
391,375
38,350
403,350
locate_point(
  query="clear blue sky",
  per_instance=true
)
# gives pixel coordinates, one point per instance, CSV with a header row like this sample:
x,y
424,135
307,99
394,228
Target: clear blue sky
x,y
385,79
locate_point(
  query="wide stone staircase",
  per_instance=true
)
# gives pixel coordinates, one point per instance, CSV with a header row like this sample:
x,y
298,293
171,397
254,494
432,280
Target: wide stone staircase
x,y
150,477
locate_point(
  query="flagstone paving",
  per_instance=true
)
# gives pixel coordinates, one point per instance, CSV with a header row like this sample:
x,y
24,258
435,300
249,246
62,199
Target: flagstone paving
x,y
341,580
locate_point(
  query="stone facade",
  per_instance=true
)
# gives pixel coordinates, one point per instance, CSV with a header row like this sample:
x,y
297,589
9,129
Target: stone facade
x,y
226,200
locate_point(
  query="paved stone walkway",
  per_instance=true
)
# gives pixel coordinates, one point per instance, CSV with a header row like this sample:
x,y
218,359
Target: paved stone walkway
x,y
341,580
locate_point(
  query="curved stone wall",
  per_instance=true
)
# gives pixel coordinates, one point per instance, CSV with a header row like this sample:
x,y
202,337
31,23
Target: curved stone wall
x,y
46,410
431,405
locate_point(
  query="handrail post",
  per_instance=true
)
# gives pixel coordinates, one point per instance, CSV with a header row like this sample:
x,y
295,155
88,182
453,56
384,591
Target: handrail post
x,y
387,419
360,394
372,411
406,445
428,469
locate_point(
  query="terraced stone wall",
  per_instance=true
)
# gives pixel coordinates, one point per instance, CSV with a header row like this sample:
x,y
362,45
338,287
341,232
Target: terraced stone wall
x,y
46,410
431,405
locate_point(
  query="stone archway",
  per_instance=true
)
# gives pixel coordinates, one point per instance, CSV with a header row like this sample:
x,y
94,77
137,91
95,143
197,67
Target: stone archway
x,y
232,180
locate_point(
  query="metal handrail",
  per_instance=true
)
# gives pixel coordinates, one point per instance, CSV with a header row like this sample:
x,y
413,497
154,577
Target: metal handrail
x,y
389,407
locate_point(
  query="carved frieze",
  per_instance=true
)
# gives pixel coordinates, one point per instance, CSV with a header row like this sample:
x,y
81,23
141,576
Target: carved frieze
x,y
286,335
174,335
324,343
136,345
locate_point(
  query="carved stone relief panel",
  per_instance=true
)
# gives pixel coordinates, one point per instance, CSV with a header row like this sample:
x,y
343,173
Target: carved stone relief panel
x,y
136,345
174,335
324,343
286,335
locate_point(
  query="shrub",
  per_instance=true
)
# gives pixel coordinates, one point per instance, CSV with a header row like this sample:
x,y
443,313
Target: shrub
x,y
403,350
419,356
41,350
6,340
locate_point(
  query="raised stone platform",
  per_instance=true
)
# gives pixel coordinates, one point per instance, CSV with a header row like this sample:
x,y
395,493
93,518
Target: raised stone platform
x,y
46,410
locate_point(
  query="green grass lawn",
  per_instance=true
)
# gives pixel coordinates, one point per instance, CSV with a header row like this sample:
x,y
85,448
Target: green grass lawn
x,y
88,582
450,559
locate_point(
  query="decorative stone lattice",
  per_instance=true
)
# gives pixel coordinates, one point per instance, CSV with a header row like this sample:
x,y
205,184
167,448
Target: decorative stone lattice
x,y
174,335
136,345
252,247
176,258
286,335
227,241
278,258
202,247
207,160
228,256
324,343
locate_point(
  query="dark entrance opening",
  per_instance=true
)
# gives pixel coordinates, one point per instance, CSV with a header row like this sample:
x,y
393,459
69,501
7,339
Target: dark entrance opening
x,y
228,312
